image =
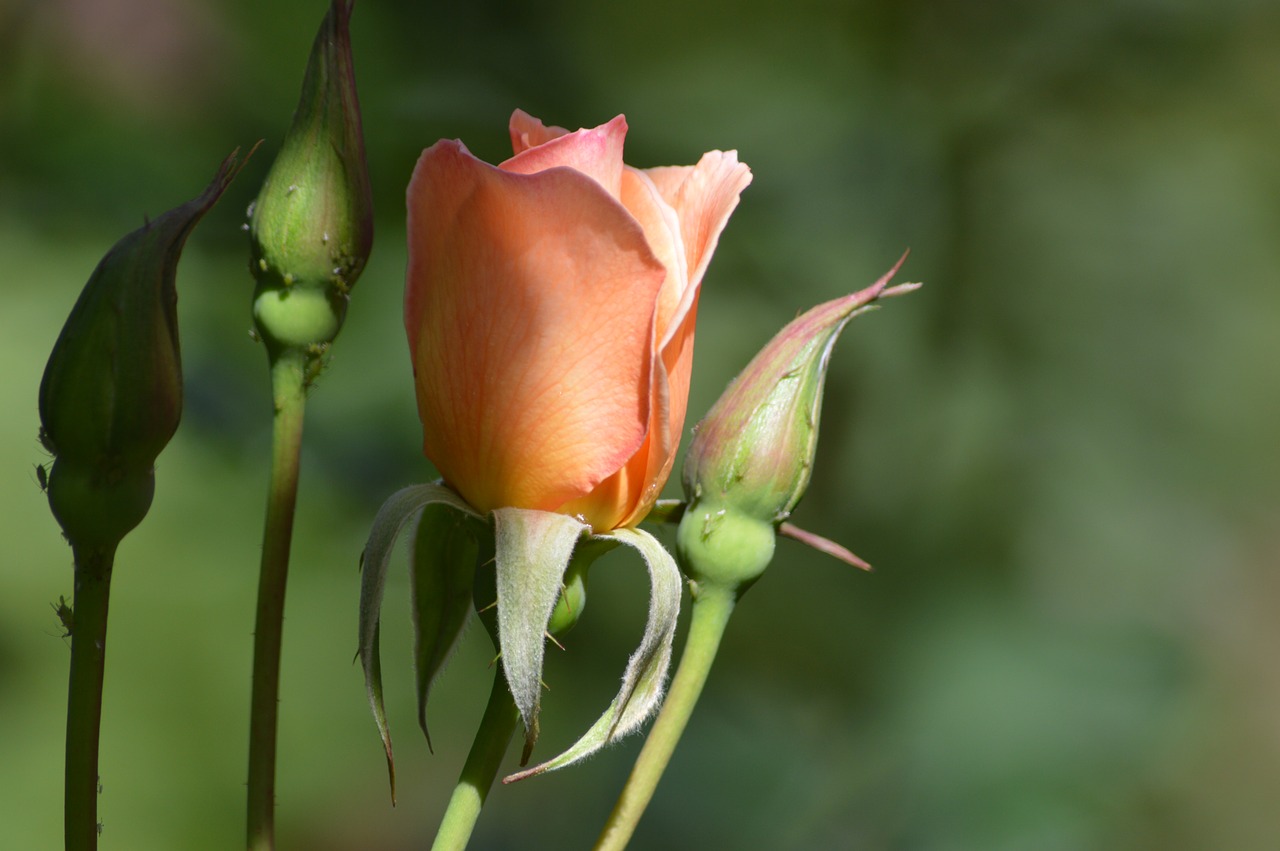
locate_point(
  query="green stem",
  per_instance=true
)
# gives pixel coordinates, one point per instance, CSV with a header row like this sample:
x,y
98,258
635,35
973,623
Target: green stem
x,y
84,695
288,391
490,745
712,607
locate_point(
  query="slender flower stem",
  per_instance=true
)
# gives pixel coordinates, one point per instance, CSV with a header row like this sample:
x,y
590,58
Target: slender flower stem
x,y
84,695
490,745
288,391
712,606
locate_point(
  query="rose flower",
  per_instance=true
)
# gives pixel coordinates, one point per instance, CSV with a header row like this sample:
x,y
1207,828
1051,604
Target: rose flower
x,y
550,305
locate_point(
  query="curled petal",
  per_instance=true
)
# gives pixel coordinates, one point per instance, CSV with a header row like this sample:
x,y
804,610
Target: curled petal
x,y
596,153
529,132
662,230
703,197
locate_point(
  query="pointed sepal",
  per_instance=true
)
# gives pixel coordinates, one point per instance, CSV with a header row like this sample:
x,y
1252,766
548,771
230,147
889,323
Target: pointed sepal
x,y
442,572
403,506
532,552
644,680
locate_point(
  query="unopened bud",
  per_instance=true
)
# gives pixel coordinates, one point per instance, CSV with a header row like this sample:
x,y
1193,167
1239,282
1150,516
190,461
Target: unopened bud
x,y
312,224
752,455
111,395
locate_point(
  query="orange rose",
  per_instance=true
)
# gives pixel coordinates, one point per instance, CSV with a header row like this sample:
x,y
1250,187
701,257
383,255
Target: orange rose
x,y
550,305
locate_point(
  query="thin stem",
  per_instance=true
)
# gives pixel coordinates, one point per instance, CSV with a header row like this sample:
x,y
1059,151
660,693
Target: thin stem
x,y
712,607
84,695
490,745
288,393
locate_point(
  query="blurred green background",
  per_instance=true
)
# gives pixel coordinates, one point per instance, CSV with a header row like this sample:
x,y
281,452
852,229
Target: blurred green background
x,y
1060,454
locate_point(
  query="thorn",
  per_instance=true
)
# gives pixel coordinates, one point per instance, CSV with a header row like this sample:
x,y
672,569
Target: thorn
x,y
492,605
552,639
568,606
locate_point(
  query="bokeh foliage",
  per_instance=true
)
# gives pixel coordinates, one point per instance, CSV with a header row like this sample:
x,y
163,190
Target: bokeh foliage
x,y
1060,454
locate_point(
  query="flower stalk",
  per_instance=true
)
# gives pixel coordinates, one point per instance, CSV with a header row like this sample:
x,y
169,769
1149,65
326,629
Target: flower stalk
x,y
110,400
711,609
487,750
84,695
288,375
311,232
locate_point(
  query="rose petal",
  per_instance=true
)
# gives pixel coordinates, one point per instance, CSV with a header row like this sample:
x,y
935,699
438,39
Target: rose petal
x,y
529,307
529,132
662,229
596,153
703,196
625,497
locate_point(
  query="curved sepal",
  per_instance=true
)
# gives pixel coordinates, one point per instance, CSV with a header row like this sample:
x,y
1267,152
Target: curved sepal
x,y
441,573
644,681
532,551
401,507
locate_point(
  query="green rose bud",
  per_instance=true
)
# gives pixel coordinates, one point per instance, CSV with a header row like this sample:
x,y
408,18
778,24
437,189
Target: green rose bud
x,y
312,223
111,395
752,455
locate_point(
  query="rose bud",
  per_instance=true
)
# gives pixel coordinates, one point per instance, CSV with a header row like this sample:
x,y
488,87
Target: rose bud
x,y
111,395
751,457
311,226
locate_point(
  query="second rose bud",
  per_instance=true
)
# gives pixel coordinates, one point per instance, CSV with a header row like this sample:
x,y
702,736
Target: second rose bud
x,y
312,223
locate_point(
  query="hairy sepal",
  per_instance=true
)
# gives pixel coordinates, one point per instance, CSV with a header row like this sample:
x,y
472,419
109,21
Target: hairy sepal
x,y
403,506
644,681
441,574
532,552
